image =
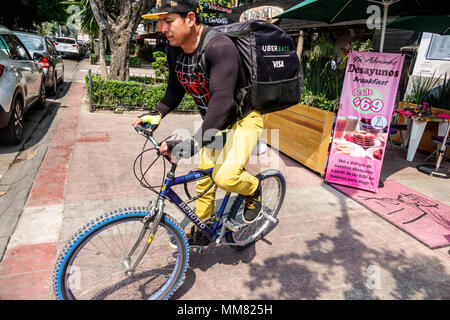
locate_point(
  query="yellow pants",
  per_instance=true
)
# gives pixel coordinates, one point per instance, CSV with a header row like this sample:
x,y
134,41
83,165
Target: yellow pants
x,y
228,163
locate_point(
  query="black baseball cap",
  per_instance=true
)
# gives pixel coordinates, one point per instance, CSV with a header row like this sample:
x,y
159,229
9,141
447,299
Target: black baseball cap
x,y
173,6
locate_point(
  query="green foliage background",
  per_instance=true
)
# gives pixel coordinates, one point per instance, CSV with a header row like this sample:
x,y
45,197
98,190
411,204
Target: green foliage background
x,y
29,14
138,93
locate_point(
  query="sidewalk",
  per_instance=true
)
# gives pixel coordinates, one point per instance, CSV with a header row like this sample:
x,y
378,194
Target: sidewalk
x,y
144,71
326,245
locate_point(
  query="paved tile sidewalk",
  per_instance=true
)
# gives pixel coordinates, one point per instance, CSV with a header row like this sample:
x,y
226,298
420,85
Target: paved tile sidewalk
x,y
326,245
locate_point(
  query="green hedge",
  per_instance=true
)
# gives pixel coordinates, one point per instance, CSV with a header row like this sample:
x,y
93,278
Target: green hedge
x,y
147,80
142,93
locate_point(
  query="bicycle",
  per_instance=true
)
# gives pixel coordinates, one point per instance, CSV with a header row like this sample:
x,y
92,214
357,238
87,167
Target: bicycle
x,y
128,253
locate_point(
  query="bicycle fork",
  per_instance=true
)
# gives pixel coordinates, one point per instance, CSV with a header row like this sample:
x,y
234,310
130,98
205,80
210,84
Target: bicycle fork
x,y
159,207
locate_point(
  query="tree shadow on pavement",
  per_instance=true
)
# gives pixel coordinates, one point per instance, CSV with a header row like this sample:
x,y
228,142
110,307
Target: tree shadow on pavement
x,y
344,267
345,263
213,257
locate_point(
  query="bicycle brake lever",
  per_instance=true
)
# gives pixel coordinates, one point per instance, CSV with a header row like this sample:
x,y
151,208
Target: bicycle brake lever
x,y
140,129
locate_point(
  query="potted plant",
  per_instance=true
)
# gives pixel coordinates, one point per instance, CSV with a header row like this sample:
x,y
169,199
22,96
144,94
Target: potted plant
x,y
439,97
425,90
421,88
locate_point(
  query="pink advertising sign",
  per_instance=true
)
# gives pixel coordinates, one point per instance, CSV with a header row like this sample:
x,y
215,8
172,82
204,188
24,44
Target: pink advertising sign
x,y
362,123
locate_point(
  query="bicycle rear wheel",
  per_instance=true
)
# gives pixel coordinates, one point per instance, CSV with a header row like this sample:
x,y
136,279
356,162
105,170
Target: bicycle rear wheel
x,y
93,265
273,187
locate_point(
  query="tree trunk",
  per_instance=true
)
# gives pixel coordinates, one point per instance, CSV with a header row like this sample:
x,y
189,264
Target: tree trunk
x,y
103,68
120,56
119,31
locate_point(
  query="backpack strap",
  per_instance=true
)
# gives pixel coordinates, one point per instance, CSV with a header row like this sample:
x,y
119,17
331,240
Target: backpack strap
x,y
201,59
201,65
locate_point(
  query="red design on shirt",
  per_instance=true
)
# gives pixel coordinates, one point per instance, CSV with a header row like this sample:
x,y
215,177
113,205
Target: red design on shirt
x,y
195,85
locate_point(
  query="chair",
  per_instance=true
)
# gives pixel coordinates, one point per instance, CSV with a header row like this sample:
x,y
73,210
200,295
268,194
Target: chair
x,y
396,128
399,127
389,142
438,140
436,169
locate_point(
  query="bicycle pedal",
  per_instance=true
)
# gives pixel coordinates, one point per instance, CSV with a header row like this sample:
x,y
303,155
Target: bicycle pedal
x,y
234,225
270,218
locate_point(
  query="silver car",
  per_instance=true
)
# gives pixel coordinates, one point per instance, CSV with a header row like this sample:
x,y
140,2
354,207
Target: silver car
x,y
21,86
42,50
68,47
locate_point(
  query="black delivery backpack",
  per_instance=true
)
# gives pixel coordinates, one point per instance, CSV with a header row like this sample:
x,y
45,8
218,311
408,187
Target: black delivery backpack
x,y
269,60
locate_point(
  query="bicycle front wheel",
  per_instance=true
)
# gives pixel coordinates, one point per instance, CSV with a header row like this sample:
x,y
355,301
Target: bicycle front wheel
x,y
273,187
93,264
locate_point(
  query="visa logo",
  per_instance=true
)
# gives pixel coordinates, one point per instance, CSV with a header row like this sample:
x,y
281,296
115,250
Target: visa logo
x,y
278,64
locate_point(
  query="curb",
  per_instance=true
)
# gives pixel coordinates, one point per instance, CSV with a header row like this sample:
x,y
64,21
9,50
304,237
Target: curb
x,y
27,266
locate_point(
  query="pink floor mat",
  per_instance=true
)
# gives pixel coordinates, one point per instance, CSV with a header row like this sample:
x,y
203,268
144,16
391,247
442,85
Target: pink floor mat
x,y
424,218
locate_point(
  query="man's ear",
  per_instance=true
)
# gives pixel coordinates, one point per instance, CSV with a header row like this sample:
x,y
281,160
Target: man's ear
x,y
191,18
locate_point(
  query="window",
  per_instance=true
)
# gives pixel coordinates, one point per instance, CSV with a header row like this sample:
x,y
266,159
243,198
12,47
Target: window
x,y
17,49
4,46
32,43
3,55
439,48
65,40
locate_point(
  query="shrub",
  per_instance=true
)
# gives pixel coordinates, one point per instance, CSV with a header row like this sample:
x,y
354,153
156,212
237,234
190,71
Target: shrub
x,y
131,94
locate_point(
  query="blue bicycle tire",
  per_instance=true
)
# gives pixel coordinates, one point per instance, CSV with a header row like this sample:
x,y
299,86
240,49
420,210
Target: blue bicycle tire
x,y
68,255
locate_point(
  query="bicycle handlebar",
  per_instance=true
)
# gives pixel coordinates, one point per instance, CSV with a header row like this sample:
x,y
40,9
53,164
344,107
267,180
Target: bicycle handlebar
x,y
148,133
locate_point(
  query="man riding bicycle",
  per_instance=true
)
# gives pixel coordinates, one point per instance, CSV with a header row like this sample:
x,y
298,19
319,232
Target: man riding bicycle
x,y
213,91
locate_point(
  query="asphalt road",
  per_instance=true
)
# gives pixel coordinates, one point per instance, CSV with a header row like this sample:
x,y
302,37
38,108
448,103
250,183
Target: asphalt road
x,y
19,164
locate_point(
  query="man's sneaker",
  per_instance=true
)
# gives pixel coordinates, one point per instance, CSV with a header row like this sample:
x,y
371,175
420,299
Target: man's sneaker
x,y
252,206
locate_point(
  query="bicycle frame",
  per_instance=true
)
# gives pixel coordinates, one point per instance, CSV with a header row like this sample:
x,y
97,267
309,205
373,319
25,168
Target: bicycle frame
x,y
167,192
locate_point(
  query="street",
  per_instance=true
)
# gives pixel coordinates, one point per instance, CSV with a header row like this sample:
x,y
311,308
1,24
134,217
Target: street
x,y
19,164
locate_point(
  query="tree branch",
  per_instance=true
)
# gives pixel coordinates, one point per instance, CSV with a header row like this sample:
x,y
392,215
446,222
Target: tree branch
x,y
102,17
141,8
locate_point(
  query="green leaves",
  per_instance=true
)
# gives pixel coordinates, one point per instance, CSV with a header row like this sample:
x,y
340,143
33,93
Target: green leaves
x,y
422,86
138,93
440,96
323,83
160,65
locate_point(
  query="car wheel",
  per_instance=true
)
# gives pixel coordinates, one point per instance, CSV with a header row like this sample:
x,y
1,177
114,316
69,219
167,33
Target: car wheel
x,y
13,133
40,104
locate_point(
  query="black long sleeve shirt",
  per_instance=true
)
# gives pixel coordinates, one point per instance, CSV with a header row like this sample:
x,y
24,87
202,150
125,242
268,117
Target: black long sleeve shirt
x,y
213,90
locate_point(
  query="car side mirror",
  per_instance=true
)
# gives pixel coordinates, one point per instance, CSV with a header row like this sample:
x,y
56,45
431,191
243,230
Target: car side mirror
x,y
37,56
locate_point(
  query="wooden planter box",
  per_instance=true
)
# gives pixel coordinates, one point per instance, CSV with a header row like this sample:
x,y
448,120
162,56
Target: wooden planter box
x,y
304,134
426,143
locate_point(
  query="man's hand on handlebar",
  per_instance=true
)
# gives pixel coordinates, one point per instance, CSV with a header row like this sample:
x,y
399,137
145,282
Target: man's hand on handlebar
x,y
151,120
172,149
177,149
164,149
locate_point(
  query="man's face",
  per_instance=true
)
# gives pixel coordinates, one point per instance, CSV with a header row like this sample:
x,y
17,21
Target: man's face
x,y
175,28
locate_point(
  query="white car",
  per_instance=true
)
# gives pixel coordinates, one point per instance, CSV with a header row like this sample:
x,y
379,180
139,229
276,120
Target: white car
x,y
22,85
68,47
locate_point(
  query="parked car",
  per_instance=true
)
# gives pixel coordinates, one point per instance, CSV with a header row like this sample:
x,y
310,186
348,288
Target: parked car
x,y
22,85
68,47
84,47
45,52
